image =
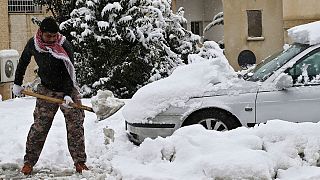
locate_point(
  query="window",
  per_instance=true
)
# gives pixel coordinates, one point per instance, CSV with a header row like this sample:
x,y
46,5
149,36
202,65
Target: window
x,y
246,59
23,6
307,70
266,68
254,23
196,27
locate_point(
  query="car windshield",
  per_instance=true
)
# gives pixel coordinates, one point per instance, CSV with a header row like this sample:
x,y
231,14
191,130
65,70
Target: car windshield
x,y
272,63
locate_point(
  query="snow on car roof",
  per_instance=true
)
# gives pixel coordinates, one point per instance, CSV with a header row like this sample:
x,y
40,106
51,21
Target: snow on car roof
x,y
306,33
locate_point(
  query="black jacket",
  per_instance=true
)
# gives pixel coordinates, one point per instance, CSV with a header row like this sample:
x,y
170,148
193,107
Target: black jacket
x,y
52,71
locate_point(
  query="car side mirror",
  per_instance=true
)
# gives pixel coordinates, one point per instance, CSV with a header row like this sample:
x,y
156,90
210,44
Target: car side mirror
x,y
284,81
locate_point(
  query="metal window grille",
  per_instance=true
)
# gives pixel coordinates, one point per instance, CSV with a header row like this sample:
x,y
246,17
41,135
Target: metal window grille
x,y
23,6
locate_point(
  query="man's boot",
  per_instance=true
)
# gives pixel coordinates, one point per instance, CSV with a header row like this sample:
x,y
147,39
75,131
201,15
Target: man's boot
x,y
26,169
80,167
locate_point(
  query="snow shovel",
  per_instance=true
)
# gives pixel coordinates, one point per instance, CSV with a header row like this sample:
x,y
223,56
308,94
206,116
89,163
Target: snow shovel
x,y
102,110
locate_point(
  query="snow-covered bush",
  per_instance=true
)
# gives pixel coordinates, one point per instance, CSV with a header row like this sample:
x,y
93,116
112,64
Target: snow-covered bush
x,y
125,44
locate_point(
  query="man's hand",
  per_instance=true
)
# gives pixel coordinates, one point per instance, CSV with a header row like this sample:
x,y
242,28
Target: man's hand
x,y
67,101
17,90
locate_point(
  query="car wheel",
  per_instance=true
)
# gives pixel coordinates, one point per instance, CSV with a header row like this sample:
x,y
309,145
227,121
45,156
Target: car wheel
x,y
213,119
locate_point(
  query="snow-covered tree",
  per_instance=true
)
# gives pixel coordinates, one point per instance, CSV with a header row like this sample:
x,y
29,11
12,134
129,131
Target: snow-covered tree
x,y
122,45
59,9
217,20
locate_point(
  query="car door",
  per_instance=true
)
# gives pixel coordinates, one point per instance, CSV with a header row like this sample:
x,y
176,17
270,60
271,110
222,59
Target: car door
x,y
300,103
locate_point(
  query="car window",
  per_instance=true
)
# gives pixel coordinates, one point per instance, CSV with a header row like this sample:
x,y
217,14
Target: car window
x,y
268,66
306,70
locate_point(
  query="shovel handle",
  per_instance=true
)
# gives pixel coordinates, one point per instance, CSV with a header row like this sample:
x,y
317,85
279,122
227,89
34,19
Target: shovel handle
x,y
56,100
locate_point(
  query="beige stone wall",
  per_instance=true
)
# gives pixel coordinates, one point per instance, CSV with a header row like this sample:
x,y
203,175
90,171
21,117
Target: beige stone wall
x,y
16,30
236,28
5,90
4,28
301,9
21,30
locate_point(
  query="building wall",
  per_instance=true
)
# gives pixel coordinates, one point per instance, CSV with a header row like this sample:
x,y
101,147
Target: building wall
x,y
204,11
21,30
301,9
4,44
236,28
4,29
193,10
16,29
5,90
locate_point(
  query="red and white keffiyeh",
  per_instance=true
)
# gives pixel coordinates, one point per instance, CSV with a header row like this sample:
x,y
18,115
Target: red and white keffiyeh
x,y
57,51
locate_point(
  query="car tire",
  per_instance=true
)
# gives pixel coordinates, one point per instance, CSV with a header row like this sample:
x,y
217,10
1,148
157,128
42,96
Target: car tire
x,y
213,119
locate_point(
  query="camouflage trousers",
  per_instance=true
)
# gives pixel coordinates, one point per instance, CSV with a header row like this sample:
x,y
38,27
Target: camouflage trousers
x,y
43,116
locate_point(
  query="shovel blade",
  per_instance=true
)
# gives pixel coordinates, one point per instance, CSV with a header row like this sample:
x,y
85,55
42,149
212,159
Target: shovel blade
x,y
104,104
107,112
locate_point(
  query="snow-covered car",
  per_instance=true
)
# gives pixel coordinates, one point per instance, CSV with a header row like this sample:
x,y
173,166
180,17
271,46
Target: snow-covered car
x,y
284,86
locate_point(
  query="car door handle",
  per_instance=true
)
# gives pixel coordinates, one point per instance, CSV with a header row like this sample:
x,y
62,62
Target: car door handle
x,y
248,108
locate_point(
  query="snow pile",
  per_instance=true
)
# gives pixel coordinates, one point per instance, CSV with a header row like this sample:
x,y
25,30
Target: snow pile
x,y
306,33
258,153
300,173
283,81
104,104
291,144
207,68
223,156
277,150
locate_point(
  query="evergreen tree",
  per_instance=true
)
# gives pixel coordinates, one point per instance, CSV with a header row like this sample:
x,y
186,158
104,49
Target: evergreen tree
x,y
122,45
59,9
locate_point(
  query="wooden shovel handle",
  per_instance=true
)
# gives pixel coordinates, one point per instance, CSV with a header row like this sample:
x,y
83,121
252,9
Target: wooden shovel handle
x,y
56,100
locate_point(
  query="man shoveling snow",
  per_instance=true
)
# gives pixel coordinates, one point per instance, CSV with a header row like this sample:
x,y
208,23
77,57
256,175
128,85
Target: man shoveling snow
x,y
54,56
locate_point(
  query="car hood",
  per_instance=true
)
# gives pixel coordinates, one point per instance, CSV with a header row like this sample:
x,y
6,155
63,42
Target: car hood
x,y
232,87
143,110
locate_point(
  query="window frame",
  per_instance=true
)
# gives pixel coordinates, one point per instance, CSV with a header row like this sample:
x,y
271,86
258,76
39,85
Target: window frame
x,y
255,25
311,53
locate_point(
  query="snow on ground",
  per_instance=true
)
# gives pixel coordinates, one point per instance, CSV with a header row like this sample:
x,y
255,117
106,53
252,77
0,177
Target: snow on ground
x,y
276,150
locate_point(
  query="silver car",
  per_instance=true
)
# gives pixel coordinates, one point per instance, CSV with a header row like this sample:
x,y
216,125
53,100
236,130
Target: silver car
x,y
294,71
